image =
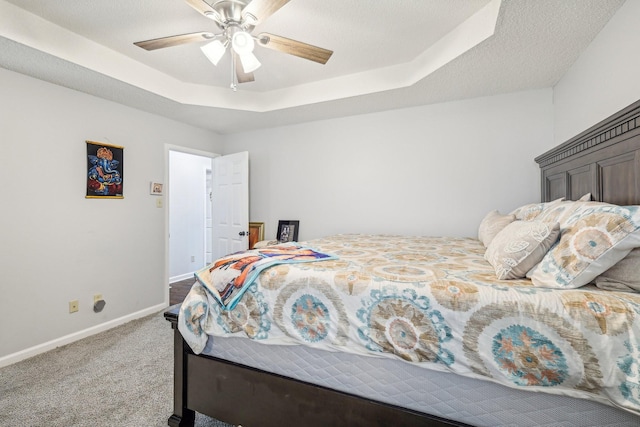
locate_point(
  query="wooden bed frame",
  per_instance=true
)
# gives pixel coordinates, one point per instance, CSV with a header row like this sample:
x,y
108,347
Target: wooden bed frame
x,y
214,387
604,161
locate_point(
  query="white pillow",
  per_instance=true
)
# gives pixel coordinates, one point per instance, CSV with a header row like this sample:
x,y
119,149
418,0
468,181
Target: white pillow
x,y
520,246
491,225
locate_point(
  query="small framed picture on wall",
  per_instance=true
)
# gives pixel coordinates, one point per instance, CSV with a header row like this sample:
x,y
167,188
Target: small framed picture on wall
x,y
288,231
156,189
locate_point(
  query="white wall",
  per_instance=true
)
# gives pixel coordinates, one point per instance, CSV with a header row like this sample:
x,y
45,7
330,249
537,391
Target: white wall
x,y
432,170
423,170
187,213
56,245
604,79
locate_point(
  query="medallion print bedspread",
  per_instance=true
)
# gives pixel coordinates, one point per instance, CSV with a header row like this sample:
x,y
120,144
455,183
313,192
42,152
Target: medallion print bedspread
x,y
436,302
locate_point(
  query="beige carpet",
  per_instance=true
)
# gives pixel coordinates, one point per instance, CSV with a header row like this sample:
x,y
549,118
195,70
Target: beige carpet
x,y
121,377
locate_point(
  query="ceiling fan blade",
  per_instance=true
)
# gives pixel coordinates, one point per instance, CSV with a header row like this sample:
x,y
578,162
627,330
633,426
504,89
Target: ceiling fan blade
x,y
200,6
163,42
262,9
240,74
293,47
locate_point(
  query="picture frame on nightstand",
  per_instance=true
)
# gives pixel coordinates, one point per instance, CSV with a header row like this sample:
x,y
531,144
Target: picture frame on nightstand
x,y
288,231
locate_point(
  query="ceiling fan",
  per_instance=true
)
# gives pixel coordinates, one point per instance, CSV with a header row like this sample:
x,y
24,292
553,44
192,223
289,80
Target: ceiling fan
x,y
237,19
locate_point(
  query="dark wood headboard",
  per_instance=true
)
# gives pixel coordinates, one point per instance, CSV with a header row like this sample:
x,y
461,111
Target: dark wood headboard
x,y
604,160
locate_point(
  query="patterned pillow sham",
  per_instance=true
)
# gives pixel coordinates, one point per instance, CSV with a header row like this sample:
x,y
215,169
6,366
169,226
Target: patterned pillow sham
x,y
624,276
531,211
560,211
491,225
520,246
593,237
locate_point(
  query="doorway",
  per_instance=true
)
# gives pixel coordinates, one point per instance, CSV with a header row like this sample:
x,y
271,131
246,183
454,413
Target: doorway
x,y
218,189
189,209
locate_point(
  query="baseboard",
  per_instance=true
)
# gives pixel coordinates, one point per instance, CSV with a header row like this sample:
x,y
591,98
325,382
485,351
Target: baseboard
x,y
180,278
68,339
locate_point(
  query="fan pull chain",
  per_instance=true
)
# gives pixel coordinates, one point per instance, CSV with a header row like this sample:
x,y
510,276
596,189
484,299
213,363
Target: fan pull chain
x,y
234,83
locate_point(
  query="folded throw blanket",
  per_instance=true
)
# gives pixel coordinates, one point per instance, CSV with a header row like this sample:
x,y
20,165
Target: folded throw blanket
x,y
228,277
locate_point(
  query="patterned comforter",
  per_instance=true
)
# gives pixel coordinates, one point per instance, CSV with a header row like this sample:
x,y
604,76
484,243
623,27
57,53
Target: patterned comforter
x,y
437,303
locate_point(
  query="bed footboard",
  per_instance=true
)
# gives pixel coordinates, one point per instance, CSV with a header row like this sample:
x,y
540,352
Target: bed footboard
x,y
242,395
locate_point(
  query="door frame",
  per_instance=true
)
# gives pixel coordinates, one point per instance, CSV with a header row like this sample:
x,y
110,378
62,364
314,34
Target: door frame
x,y
166,198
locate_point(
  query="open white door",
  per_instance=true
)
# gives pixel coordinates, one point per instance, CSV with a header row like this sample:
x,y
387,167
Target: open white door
x,y
230,194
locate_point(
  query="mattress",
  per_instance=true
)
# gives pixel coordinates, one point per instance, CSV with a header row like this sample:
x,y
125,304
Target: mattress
x,y
434,307
467,400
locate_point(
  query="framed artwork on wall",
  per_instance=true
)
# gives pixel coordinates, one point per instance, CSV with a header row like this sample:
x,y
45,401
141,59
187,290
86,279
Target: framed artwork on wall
x,y
104,171
256,233
156,189
288,231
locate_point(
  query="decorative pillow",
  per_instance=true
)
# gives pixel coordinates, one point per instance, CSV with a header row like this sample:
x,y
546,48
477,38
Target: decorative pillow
x,y
624,276
491,225
520,246
531,211
585,198
593,238
558,212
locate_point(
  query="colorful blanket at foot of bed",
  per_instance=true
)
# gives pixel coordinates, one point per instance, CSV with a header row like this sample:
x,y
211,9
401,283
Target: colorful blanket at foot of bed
x,y
228,277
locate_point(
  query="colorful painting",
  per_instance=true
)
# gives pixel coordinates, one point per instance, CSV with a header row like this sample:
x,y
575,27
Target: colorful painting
x,y
104,170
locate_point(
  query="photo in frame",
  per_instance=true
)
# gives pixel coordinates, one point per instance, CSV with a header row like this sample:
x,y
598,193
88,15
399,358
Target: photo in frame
x,y
156,189
288,231
256,233
104,171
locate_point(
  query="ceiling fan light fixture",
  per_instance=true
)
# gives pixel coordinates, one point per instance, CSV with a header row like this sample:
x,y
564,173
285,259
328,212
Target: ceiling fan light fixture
x,y
237,19
249,62
214,51
242,43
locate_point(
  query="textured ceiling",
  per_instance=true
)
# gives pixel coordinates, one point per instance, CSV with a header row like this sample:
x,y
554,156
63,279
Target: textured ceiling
x,y
387,54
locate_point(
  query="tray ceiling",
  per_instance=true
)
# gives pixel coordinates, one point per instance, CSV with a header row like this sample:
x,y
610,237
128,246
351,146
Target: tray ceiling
x,y
387,54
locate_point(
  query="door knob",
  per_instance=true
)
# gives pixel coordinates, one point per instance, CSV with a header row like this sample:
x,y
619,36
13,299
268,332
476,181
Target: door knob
x,y
243,233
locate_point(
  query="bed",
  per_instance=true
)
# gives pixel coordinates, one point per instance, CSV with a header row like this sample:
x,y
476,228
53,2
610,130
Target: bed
x,y
433,331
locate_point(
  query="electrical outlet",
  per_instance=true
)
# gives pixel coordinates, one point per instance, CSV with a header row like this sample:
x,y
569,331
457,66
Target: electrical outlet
x,y
193,258
73,306
96,298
